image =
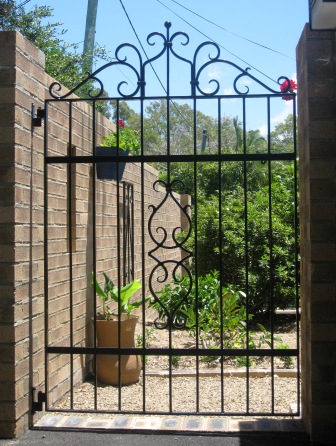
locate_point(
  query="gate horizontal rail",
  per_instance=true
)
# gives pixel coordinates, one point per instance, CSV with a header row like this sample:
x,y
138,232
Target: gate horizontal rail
x,y
175,351
172,158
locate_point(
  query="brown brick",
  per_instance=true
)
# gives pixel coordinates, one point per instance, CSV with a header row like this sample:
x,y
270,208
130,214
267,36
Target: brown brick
x,y
323,251
7,372
323,169
320,231
319,49
324,313
324,332
323,424
322,129
323,211
323,291
320,109
7,76
324,373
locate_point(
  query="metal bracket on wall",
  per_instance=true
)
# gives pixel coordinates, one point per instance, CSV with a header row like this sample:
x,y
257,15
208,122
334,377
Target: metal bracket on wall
x,y
40,114
37,406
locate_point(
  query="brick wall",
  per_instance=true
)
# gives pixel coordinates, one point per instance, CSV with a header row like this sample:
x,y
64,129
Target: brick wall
x,y
23,82
316,55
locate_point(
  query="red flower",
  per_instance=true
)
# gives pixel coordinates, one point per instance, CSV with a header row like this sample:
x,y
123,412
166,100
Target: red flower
x,y
121,123
284,87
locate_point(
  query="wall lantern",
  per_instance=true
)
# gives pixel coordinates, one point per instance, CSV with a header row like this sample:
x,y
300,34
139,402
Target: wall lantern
x,y
322,14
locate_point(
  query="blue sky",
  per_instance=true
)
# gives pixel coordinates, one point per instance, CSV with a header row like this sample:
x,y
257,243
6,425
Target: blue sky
x,y
274,24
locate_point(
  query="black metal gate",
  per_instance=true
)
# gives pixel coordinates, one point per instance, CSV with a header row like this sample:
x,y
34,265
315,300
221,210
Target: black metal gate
x,y
203,217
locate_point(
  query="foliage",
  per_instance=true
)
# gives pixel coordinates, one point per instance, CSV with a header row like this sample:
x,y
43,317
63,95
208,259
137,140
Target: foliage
x,y
271,255
182,137
239,226
145,341
254,141
282,136
287,360
121,296
126,139
63,61
217,315
175,360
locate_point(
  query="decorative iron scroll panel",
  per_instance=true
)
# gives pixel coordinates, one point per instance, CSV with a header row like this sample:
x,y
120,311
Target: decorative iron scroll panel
x,y
204,216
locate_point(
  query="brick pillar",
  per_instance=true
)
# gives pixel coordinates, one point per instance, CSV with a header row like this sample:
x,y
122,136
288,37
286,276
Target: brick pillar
x,y
316,70
21,231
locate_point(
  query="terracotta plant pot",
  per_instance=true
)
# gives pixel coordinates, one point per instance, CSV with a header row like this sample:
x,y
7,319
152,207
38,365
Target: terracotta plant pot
x,y
108,365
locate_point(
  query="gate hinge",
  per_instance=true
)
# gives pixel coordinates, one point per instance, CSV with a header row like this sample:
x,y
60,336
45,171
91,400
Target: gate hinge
x,y
37,406
40,114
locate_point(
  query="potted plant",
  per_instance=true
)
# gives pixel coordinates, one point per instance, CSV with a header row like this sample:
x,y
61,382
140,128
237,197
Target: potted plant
x,y
129,142
108,327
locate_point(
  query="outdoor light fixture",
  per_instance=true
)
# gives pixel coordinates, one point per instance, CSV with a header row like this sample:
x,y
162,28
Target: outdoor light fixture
x,y
322,14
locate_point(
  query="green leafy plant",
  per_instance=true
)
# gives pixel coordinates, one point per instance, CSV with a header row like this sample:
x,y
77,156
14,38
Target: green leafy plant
x,y
216,315
211,359
175,360
120,295
128,139
243,361
144,341
287,360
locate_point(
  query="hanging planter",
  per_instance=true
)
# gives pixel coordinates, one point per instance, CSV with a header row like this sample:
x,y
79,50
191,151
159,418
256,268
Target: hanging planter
x,y
127,140
110,170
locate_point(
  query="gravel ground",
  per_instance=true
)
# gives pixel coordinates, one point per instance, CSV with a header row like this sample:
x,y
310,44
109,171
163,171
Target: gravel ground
x,y
236,390
184,395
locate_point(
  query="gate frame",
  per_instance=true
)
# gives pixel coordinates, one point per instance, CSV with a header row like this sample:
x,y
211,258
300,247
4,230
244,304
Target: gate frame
x,y
196,93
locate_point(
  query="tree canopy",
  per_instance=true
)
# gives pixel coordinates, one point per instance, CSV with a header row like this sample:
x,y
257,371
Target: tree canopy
x,y
64,61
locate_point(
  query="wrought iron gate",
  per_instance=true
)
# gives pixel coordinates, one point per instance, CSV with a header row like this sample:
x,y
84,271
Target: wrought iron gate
x,y
205,220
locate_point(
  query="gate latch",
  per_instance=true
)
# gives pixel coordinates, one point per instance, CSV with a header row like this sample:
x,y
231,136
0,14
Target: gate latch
x,y
37,406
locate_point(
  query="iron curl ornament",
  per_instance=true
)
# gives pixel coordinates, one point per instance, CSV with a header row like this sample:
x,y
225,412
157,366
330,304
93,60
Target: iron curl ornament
x,y
166,270
139,70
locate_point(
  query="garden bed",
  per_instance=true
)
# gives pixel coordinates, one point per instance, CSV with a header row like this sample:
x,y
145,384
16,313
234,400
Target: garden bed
x,y
285,337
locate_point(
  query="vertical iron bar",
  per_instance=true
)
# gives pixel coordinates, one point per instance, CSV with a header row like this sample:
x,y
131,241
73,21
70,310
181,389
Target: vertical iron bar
x,y
69,168
143,260
219,114
168,181
30,285
196,252
118,260
46,257
296,236
246,262
270,243
94,253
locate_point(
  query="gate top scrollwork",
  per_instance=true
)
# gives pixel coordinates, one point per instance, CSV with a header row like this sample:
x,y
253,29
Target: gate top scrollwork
x,y
139,70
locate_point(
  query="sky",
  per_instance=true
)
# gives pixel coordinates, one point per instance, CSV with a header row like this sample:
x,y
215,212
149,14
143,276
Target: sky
x,y
273,24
